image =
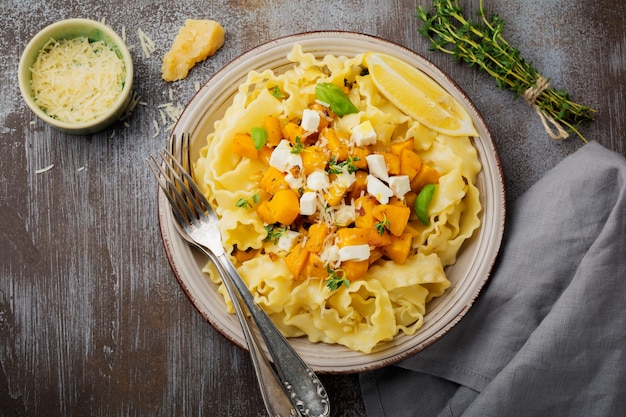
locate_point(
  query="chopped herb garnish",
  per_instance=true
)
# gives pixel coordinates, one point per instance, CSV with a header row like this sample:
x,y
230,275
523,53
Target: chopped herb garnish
x,y
277,93
246,203
336,278
274,232
335,167
259,137
336,98
298,147
382,225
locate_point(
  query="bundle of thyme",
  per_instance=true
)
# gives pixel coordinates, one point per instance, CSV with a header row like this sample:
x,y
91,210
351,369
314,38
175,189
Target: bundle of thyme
x,y
481,44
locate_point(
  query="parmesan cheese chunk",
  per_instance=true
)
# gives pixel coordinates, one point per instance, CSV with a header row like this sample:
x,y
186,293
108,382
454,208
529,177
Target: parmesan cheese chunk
x,y
195,42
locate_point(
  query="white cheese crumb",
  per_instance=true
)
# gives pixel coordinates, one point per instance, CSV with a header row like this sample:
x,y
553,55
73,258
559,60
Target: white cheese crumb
x,y
308,203
345,178
287,240
377,166
310,120
400,185
354,253
363,134
282,159
295,183
378,189
317,180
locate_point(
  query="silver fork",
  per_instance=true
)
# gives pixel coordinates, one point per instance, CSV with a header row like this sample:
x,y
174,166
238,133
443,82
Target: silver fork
x,y
291,388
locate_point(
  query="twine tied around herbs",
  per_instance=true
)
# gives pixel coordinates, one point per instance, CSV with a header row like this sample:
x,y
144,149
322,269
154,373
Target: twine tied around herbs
x,y
531,95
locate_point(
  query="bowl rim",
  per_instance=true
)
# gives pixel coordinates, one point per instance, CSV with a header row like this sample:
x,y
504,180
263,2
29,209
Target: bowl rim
x,y
31,52
490,241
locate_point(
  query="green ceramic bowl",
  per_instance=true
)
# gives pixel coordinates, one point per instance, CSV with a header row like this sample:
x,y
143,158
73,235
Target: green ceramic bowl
x,y
70,29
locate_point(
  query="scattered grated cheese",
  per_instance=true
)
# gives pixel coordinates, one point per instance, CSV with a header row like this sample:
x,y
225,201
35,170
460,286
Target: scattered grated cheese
x,y
147,45
42,170
156,128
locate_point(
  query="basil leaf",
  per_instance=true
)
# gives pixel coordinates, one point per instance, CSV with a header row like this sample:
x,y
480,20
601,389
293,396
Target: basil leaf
x,y
423,201
259,137
336,98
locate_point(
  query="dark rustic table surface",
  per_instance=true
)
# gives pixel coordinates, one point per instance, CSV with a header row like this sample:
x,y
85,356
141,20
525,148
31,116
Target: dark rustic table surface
x,y
92,320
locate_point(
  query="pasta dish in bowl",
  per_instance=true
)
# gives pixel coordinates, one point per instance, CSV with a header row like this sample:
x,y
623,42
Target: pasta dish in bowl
x,y
365,227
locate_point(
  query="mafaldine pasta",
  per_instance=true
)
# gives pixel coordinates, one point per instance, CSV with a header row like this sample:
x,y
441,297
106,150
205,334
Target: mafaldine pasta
x,y
319,181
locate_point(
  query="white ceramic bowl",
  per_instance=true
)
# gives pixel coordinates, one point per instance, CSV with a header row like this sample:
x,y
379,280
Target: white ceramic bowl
x,y
70,29
467,275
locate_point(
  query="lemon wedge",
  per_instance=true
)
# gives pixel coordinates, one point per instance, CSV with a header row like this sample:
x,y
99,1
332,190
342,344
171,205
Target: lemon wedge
x,y
418,95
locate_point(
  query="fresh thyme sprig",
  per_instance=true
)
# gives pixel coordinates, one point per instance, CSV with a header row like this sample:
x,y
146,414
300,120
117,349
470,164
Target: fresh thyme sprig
x,y
336,278
481,44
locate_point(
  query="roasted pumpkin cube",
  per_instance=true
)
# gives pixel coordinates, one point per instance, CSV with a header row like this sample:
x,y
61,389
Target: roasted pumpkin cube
x,y
293,132
334,194
410,163
352,236
264,212
316,236
360,185
297,259
396,216
285,206
315,267
365,218
399,248
354,270
393,163
273,180
338,147
358,157
397,147
274,130
243,145
314,158
426,175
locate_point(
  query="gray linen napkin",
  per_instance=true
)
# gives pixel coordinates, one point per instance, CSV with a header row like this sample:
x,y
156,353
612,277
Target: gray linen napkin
x,y
547,336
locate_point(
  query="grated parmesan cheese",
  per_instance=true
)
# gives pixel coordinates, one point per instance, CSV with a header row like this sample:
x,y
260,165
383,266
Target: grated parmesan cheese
x,y
42,170
147,45
76,81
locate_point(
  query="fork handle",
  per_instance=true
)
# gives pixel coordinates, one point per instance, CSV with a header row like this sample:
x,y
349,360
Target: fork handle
x,y
276,399
304,387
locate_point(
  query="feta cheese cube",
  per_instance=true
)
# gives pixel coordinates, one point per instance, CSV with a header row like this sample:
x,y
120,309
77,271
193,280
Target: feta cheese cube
x,y
345,178
317,180
310,120
287,240
378,189
282,159
377,166
294,182
400,185
354,253
308,203
363,134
